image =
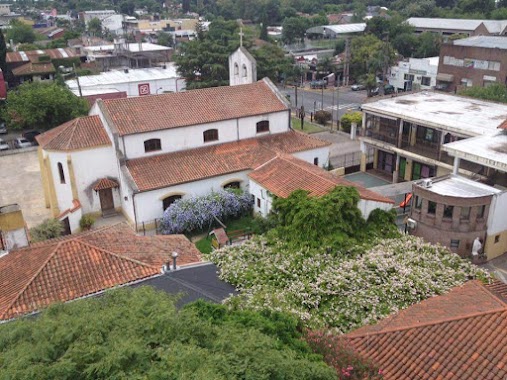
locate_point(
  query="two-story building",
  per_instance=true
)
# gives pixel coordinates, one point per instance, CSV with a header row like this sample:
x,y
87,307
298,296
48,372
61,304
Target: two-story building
x,y
408,133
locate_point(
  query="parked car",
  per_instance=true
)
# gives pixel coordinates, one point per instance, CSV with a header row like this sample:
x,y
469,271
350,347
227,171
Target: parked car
x,y
318,84
3,129
3,145
389,89
30,136
357,87
21,142
374,91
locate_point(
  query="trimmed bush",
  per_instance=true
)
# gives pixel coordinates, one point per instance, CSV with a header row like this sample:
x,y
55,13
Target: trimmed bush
x,y
349,118
322,117
197,213
48,229
86,222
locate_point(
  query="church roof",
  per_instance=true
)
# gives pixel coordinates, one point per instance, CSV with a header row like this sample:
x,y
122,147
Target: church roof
x,y
164,170
285,174
75,266
207,105
80,133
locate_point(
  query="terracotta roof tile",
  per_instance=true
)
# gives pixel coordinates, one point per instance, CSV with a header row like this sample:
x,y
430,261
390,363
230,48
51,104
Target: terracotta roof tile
x,y
105,183
169,169
460,335
80,133
33,68
157,112
284,174
63,269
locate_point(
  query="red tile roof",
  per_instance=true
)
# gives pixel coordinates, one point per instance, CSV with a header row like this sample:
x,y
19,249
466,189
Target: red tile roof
x,y
157,112
459,335
170,169
63,269
33,69
80,133
105,183
284,174
503,125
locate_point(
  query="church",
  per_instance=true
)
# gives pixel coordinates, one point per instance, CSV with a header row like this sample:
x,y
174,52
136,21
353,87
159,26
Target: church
x,y
136,156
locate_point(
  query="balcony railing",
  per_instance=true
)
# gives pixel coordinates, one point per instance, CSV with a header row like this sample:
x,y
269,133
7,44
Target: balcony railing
x,y
389,137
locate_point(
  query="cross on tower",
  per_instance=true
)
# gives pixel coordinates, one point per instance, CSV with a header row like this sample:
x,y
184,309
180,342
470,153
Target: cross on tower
x,y
241,34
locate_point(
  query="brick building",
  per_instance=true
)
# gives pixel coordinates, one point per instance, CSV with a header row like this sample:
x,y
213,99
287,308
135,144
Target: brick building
x,y
475,61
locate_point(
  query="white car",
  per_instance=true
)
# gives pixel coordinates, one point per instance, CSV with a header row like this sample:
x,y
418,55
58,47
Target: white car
x,y
3,145
21,142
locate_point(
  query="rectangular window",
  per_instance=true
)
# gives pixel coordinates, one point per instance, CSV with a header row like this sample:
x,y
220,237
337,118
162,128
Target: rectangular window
x,y
497,239
258,203
448,211
454,243
465,213
210,135
152,145
418,202
481,212
426,81
316,161
263,126
432,208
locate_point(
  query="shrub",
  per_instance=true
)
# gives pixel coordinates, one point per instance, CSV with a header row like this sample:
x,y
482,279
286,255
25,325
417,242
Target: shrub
x,y
322,117
197,213
48,229
349,118
86,222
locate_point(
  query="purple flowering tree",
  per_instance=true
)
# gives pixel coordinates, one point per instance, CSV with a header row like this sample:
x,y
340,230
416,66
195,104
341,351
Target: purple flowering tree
x,y
196,213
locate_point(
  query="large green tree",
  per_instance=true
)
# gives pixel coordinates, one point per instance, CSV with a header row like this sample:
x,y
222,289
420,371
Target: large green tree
x,y
42,106
20,32
139,334
294,29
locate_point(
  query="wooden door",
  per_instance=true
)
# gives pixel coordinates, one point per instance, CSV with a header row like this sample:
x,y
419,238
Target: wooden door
x,y
106,200
66,227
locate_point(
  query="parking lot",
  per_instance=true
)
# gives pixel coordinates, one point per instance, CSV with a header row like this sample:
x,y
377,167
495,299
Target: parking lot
x,y
20,183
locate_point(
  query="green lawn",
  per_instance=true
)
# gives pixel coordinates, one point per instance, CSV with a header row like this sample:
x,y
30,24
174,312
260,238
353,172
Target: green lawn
x,y
307,126
244,223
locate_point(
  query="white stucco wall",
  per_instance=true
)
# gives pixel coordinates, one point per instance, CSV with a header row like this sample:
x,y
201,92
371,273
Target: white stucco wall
x,y
89,166
15,238
237,76
309,155
177,139
367,206
497,218
149,204
264,198
63,190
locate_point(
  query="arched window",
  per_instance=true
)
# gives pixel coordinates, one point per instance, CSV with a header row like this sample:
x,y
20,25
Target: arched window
x,y
61,173
166,202
232,185
236,69
263,126
152,145
210,135
245,72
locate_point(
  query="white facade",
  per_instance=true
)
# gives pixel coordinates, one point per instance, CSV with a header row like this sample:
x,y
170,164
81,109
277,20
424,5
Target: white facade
x,y
242,67
87,16
497,218
416,74
321,154
113,23
177,139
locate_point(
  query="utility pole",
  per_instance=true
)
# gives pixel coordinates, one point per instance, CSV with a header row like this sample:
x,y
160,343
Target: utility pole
x,y
296,90
322,98
338,108
77,80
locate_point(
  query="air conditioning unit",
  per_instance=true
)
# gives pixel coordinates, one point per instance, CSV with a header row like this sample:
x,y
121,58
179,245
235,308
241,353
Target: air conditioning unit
x,y
427,183
411,223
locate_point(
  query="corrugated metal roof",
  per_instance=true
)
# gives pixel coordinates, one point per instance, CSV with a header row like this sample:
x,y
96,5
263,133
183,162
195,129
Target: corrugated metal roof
x,y
456,186
444,23
487,42
339,29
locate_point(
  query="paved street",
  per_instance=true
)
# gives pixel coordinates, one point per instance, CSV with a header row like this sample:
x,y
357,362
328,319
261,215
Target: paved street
x,y
20,183
332,99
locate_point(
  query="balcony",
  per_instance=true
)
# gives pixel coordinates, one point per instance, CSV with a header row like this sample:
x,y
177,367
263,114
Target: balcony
x,y
422,147
388,136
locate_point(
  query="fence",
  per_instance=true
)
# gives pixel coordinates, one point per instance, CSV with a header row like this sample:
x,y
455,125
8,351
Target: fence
x,y
351,159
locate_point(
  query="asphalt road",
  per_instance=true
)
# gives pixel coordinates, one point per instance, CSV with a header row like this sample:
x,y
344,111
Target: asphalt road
x,y
337,101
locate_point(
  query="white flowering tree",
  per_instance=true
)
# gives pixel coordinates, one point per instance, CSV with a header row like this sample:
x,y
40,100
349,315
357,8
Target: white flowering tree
x,y
336,290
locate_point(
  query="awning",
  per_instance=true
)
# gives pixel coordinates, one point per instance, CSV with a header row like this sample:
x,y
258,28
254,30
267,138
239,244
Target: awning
x,y
445,77
105,183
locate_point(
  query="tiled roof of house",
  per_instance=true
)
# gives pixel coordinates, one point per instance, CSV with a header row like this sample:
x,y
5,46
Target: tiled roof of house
x,y
80,133
170,169
33,69
284,174
105,183
63,269
459,335
157,112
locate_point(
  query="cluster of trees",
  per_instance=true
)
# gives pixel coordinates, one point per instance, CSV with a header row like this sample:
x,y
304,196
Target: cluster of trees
x,y
496,92
204,61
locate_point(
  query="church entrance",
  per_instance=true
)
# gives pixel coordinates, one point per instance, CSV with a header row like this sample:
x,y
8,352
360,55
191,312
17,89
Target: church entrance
x,y
106,201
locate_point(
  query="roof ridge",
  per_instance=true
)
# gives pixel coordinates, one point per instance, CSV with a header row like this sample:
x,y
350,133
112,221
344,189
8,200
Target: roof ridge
x,y
119,255
434,323
31,280
307,169
64,127
74,127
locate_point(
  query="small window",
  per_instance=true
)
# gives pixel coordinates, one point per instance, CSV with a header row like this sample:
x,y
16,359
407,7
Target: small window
x,y
418,202
455,244
152,145
166,202
210,135
232,185
481,212
61,173
258,203
432,207
426,81
316,161
245,72
263,126
497,239
448,211
236,69
465,213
